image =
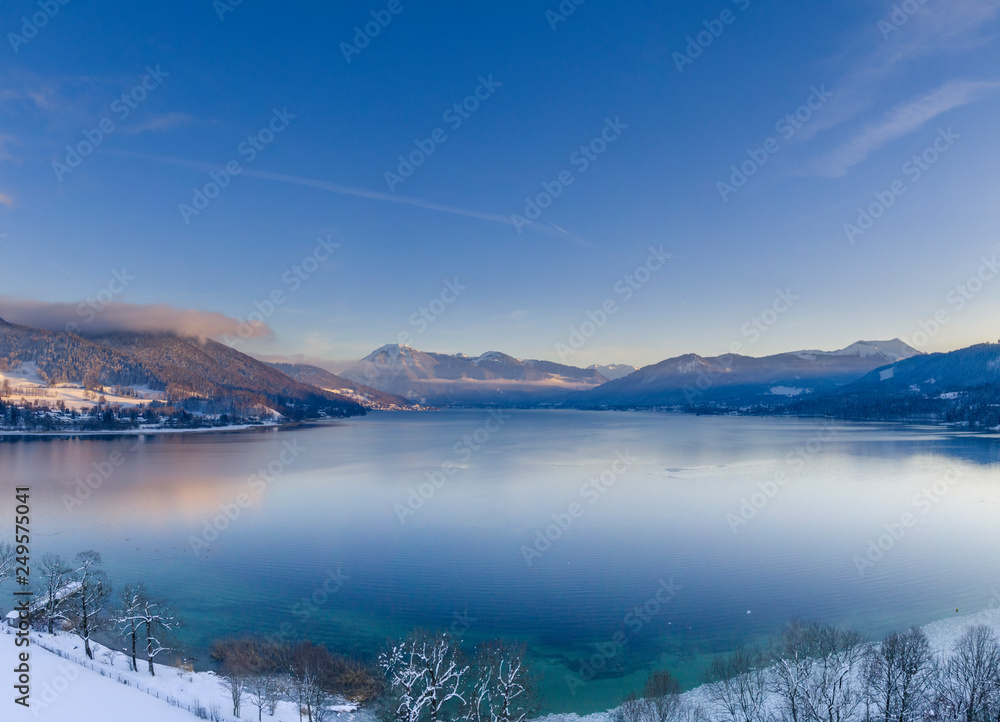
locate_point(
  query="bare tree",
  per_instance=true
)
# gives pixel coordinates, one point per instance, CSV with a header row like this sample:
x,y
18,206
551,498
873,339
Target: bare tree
x,y
126,618
971,677
314,674
663,697
236,671
93,593
252,669
264,659
6,561
263,690
502,689
425,672
739,685
155,619
55,576
633,709
793,658
899,676
833,693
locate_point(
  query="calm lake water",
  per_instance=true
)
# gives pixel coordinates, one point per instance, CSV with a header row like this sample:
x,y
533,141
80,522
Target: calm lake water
x,y
656,534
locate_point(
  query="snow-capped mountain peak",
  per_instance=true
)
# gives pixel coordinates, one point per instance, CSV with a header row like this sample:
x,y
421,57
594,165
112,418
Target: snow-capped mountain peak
x,y
614,371
893,350
494,357
389,351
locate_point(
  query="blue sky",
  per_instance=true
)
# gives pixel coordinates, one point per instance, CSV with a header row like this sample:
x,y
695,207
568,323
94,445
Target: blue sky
x,y
661,131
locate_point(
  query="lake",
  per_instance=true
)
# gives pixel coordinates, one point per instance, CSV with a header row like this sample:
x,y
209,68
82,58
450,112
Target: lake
x,y
611,543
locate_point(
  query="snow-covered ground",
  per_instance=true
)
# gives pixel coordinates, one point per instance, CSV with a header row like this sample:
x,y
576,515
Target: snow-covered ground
x,y
942,636
72,688
26,377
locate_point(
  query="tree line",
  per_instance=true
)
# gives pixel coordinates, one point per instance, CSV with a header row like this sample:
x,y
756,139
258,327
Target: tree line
x,y
812,672
820,673
41,416
78,597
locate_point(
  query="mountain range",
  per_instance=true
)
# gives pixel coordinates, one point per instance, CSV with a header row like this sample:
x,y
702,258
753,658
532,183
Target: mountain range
x,y
733,379
321,378
961,386
459,380
868,379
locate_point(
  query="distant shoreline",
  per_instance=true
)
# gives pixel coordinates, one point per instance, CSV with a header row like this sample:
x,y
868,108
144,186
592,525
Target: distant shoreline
x,y
141,432
12,434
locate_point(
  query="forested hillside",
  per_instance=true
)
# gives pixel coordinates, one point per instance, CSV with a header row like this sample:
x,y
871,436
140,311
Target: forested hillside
x,y
200,375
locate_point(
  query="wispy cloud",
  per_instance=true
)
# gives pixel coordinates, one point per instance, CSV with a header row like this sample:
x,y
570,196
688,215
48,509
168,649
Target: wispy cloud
x,y
939,27
157,123
6,200
340,189
900,121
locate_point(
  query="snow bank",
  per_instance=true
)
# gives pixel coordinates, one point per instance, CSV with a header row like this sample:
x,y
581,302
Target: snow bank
x,y
73,688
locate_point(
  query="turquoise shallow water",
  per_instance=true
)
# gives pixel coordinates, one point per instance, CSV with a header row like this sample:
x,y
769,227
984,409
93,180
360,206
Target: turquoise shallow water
x,y
376,525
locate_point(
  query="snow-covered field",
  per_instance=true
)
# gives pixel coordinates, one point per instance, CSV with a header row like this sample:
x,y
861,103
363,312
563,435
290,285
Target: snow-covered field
x,y
75,689
26,377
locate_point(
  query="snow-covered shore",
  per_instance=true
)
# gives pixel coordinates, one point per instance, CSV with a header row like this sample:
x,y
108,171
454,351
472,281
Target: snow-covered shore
x,y
941,635
142,430
66,686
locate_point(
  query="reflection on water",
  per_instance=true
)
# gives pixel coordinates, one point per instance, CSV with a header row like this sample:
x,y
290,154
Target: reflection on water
x,y
424,519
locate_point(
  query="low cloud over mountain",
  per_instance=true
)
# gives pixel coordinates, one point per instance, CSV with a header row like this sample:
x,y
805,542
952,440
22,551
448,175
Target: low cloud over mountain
x,y
97,316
